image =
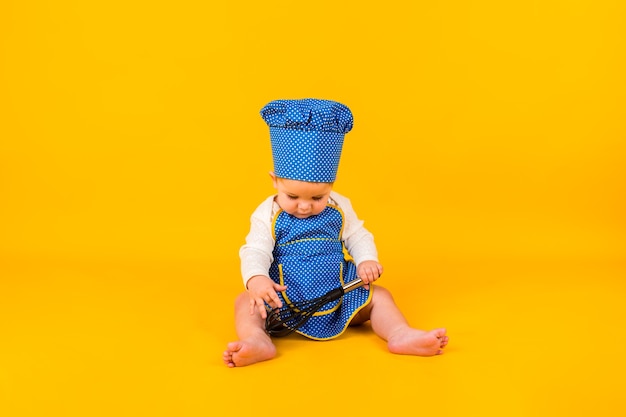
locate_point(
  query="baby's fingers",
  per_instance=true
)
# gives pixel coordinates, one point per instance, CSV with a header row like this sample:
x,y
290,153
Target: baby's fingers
x,y
274,301
258,304
275,298
366,275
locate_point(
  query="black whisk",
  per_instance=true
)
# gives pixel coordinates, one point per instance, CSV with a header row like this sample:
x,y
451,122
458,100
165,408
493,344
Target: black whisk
x,y
282,321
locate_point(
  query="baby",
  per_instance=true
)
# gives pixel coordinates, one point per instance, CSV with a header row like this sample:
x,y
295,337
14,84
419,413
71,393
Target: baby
x,y
306,240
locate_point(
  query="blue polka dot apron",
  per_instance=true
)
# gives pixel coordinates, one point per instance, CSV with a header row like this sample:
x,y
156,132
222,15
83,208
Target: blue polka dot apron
x,y
310,259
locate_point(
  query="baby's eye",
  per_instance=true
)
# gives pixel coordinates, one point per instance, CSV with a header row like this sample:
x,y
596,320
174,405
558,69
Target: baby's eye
x,y
317,198
292,197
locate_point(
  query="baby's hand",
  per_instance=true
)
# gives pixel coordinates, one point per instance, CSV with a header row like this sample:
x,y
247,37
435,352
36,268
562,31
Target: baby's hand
x,y
369,271
261,290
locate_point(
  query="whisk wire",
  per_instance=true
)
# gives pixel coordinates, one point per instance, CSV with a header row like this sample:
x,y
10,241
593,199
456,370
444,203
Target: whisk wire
x,y
282,321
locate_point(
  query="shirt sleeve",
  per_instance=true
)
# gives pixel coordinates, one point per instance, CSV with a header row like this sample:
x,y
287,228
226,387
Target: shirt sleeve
x,y
358,240
256,254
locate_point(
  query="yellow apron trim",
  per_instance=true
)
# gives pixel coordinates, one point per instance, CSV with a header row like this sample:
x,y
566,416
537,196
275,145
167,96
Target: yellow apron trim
x,y
310,239
274,224
343,218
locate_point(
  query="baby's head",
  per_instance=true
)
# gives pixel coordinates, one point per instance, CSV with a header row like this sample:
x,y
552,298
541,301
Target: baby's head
x,y
301,199
307,137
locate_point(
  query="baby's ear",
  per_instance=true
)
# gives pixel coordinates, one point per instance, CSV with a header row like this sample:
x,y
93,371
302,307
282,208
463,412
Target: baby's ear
x,y
273,177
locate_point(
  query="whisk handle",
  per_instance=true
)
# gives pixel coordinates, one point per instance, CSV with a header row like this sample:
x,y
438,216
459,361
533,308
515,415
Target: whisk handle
x,y
352,285
337,293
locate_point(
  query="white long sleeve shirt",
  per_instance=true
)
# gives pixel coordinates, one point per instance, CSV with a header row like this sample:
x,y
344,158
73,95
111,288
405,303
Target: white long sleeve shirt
x,y
256,254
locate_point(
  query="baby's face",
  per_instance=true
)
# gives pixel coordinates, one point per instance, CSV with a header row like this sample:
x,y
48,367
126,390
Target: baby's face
x,y
302,199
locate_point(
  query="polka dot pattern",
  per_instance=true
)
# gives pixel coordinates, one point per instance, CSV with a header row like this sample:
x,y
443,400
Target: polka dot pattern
x,y
308,258
307,137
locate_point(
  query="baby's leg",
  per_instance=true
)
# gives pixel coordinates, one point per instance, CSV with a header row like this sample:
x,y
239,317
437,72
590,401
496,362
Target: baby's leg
x,y
389,323
254,344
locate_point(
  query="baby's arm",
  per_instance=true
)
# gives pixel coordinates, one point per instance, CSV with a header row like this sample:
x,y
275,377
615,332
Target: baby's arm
x,y
256,254
256,258
359,243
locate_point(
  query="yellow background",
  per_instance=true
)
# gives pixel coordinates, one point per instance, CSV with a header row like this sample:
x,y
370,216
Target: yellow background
x,y
488,157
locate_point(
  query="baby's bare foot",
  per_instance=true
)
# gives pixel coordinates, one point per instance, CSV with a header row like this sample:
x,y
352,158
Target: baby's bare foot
x,y
411,341
242,353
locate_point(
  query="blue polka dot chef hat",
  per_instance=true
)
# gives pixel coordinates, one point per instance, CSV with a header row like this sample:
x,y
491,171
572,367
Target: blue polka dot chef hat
x,y
307,137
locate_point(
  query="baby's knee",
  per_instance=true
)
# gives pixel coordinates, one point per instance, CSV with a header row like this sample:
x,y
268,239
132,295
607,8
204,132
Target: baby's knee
x,y
382,292
242,300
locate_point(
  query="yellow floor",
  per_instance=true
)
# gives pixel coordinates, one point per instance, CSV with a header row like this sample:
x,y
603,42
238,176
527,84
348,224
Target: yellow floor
x,y
145,339
488,156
